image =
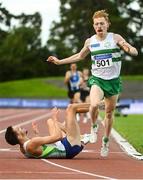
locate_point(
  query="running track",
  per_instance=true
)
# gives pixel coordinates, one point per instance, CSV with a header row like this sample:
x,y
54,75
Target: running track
x,y
87,165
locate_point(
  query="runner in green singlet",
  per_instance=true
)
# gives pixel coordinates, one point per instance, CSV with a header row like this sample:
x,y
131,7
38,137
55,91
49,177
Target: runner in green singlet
x,y
104,48
62,141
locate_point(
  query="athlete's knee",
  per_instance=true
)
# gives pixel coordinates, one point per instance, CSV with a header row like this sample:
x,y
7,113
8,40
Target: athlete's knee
x,y
71,107
109,115
49,121
94,107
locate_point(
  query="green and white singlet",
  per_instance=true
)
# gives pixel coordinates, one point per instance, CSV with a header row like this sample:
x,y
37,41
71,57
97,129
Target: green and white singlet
x,y
106,57
56,150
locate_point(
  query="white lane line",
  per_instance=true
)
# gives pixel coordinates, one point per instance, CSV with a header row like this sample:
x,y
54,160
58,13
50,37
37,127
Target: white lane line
x,y
8,150
84,151
126,146
78,171
7,113
47,115
35,172
18,115
94,151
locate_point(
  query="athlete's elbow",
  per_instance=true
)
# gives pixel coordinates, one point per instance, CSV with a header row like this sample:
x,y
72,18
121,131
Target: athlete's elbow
x,y
80,57
136,52
133,51
71,108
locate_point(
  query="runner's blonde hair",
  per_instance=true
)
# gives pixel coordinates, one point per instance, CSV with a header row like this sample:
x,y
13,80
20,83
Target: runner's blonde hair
x,y
101,13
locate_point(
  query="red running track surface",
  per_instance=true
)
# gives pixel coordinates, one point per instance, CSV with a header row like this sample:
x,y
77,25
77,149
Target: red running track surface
x,y
87,165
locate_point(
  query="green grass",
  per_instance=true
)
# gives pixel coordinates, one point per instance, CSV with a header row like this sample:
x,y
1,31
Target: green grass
x,y
33,88
131,128
40,88
133,78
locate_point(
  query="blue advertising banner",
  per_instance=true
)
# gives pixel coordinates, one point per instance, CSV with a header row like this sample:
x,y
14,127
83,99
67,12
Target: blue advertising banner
x,y
126,106
33,103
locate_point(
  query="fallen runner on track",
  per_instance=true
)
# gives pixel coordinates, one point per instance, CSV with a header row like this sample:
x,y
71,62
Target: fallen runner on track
x,y
63,141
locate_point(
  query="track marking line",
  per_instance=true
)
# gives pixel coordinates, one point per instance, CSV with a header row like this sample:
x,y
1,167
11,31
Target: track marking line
x,y
9,150
126,146
78,171
18,115
35,172
97,152
47,115
6,114
43,179
84,151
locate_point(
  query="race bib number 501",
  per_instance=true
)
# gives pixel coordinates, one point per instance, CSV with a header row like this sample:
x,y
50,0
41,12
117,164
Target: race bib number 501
x,y
102,61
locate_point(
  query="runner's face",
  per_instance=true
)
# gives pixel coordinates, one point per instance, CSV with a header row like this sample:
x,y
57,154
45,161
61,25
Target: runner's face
x,y
20,131
73,67
86,72
100,26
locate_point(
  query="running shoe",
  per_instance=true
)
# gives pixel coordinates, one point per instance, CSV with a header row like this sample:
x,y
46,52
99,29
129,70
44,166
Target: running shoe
x,y
86,117
105,147
77,117
93,135
85,138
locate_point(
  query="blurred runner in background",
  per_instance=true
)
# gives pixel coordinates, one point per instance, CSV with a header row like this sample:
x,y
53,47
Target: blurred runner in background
x,y
73,79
